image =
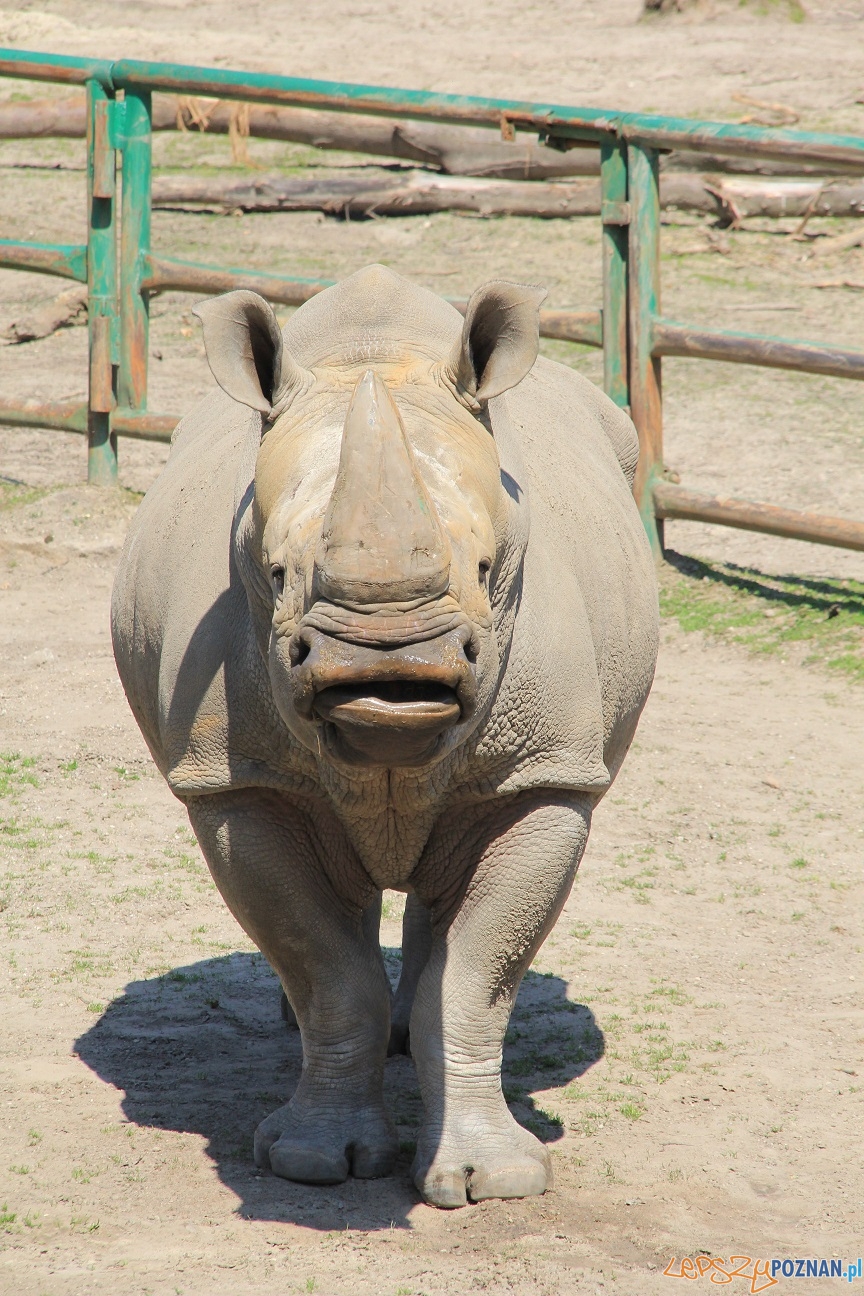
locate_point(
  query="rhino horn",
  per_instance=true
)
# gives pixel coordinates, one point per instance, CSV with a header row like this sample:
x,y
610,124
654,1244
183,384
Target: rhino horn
x,y
382,539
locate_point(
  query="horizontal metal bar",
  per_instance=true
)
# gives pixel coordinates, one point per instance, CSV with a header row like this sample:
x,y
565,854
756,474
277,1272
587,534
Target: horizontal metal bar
x,y
675,502
671,339
384,101
67,260
64,416
730,140
35,66
573,124
71,416
573,326
189,276
138,425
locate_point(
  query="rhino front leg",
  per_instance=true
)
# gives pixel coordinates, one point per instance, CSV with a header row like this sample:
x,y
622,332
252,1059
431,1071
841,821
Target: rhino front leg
x,y
275,870
371,925
500,884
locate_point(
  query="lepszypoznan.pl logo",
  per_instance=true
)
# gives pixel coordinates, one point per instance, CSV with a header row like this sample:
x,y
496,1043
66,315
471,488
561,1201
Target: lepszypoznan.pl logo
x,y
761,1274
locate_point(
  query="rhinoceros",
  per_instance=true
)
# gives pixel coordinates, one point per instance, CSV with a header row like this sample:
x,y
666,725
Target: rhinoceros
x,y
387,619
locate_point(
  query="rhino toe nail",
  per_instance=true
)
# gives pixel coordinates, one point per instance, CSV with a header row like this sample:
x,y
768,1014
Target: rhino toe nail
x,y
372,1162
307,1165
521,1180
444,1189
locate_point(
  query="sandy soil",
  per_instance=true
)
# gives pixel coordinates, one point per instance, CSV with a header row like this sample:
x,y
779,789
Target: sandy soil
x,y
690,1040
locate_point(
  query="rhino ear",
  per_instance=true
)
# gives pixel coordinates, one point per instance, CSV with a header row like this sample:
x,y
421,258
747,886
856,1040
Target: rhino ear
x,y
244,348
500,338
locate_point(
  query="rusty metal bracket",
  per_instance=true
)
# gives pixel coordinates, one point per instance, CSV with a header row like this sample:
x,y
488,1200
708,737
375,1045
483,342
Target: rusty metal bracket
x,y
104,178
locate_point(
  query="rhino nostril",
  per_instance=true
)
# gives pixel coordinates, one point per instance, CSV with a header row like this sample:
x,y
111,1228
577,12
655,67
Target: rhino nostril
x,y
299,651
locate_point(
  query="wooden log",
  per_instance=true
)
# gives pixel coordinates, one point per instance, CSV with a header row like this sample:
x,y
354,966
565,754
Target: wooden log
x,y
70,307
410,193
44,119
686,160
455,150
777,198
413,193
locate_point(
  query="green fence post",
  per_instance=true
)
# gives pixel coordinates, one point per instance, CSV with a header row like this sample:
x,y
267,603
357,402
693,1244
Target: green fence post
x,y
134,249
101,287
615,216
644,293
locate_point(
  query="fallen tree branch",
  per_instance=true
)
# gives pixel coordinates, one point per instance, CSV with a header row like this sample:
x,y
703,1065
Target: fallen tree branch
x,y
416,193
70,307
455,150
406,193
841,283
839,243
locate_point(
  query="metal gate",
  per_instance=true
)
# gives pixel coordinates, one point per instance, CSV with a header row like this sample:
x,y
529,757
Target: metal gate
x,y
121,270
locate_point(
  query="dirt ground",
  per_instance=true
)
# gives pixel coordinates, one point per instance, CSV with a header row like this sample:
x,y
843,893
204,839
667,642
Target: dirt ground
x,y
690,1040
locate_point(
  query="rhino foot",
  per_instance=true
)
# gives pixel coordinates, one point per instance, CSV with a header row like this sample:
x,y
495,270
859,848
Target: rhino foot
x,y
326,1150
477,1168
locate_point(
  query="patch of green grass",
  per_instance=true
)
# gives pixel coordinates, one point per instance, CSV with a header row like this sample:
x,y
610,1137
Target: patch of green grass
x,y
533,1062
672,994
16,770
793,9
768,613
632,1110
15,494
7,1217
392,907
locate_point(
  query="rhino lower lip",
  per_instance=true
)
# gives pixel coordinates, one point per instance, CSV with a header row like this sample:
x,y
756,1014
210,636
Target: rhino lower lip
x,y
391,704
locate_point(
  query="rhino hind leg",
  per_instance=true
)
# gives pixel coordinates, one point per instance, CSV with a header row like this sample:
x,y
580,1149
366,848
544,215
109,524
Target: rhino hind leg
x,y
520,865
266,860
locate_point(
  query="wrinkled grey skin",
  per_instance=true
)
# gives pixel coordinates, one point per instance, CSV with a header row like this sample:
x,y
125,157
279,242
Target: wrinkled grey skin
x,y
388,620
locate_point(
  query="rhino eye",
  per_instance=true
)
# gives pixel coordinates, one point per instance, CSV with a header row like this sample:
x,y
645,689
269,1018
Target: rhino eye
x,y
277,575
483,571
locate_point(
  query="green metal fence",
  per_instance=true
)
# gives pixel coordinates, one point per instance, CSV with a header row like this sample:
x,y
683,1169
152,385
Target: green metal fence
x,y
121,270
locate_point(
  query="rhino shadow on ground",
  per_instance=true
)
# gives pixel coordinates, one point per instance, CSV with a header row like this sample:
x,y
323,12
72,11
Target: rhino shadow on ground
x,y
202,1050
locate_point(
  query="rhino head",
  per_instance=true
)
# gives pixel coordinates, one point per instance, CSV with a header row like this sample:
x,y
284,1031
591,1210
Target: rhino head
x,y
380,547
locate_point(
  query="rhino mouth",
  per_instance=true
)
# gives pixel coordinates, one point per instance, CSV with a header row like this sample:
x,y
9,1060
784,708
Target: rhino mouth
x,y
414,705
387,722
383,706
